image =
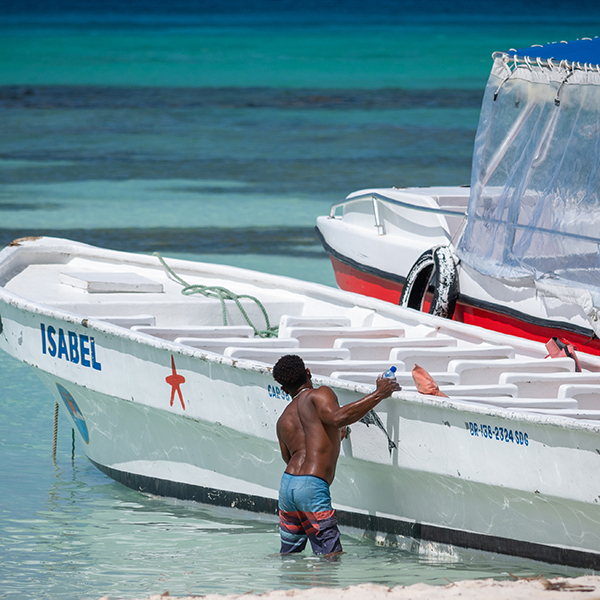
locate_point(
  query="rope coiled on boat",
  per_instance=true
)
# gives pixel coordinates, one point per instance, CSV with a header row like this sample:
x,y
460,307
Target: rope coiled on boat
x,y
223,294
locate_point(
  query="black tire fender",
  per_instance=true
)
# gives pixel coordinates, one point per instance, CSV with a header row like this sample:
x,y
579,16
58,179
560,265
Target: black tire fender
x,y
434,268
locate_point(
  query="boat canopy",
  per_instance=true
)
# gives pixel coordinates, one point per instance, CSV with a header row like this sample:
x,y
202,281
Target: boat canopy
x,y
534,207
585,51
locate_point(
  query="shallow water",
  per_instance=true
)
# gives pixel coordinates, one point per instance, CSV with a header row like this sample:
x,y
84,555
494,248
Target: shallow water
x,y
70,532
220,137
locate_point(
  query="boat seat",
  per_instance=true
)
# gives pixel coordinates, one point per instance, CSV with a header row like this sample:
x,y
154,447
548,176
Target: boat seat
x,y
488,371
437,359
324,337
172,333
546,385
588,396
464,391
404,379
421,331
94,282
541,404
480,390
272,355
326,368
218,344
287,321
570,413
379,349
128,321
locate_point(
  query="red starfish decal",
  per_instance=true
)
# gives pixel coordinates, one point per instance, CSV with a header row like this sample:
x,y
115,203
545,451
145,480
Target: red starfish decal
x,y
175,380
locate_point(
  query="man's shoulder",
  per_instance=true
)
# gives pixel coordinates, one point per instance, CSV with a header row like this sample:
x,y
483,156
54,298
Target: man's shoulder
x,y
290,408
321,393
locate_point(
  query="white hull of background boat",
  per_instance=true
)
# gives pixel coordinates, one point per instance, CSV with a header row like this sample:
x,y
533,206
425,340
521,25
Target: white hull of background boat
x,y
171,418
376,237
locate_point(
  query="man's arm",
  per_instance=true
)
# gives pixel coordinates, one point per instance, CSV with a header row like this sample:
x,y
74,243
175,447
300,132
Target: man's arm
x,y
331,413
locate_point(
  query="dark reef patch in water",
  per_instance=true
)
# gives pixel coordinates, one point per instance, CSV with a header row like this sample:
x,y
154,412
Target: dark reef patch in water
x,y
288,241
80,96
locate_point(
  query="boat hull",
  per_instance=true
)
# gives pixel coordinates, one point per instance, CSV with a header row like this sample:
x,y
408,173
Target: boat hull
x,y
444,484
165,418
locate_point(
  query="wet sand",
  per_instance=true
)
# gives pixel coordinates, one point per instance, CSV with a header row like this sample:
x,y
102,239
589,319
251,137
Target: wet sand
x,y
580,588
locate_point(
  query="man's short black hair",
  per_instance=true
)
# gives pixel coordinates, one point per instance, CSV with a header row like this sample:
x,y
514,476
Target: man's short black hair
x,y
290,371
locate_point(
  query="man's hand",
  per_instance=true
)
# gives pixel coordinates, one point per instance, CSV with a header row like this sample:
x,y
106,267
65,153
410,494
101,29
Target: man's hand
x,y
386,387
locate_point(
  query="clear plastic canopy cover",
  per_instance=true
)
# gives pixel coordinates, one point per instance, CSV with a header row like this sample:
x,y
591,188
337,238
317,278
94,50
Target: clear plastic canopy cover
x,y
534,209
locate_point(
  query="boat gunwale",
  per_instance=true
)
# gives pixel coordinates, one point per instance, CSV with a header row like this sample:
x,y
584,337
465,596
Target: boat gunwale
x,y
376,194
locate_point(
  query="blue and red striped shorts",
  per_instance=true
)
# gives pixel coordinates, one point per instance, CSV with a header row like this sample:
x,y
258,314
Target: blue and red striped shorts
x,y
305,513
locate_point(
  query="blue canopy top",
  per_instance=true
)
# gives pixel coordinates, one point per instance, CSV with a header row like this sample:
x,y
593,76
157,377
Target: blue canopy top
x,y
583,51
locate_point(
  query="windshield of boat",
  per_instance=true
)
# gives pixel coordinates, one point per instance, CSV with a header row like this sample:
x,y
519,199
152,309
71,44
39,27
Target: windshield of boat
x,y
534,209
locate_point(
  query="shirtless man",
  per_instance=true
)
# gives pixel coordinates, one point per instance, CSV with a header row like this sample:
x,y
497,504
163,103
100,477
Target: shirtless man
x,y
310,431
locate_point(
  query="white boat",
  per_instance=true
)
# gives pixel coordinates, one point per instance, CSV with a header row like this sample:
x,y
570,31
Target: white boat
x,y
168,399
518,250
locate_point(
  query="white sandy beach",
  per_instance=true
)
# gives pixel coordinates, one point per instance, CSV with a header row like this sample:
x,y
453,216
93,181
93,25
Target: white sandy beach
x,y
580,588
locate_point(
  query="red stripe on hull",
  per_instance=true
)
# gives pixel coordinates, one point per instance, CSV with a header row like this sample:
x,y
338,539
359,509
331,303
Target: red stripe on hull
x,y
353,280
512,326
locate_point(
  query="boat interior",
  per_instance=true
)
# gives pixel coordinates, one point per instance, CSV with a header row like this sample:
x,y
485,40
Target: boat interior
x,y
336,338
404,210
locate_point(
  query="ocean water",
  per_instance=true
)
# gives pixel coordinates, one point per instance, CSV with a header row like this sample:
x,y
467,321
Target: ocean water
x,y
219,131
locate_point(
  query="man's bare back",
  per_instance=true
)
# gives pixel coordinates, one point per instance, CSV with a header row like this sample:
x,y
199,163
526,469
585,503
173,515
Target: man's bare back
x,y
309,428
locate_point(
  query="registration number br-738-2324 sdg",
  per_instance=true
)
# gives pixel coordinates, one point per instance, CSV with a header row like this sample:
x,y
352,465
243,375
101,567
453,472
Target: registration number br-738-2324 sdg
x,y
500,434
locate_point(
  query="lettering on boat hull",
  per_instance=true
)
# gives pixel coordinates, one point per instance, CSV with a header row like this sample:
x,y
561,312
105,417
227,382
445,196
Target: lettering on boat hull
x,y
70,346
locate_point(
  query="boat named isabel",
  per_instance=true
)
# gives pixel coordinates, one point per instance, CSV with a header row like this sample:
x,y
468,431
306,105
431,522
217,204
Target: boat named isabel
x,y
171,393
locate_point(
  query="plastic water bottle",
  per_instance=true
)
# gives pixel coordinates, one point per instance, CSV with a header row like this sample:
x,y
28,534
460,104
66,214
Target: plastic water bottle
x,y
389,374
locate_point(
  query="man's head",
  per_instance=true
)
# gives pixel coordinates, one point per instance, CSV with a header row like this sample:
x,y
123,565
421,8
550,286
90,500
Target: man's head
x,y
290,372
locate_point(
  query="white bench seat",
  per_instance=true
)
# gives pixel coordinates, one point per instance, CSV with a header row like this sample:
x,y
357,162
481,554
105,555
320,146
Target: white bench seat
x,y
326,368
488,371
588,396
287,321
128,321
546,385
437,359
525,404
480,390
324,337
380,348
404,378
218,344
272,355
587,414
172,333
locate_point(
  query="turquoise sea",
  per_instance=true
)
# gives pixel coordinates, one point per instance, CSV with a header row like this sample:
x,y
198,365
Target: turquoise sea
x,y
219,131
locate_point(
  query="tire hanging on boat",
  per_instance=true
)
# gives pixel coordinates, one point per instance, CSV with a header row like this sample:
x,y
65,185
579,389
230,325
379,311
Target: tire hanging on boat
x,y
434,268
